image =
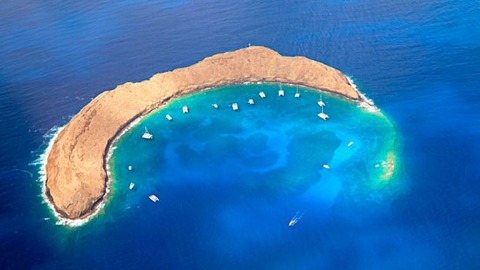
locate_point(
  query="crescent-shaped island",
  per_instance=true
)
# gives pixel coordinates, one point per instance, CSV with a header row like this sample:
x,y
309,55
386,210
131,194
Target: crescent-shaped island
x,y
76,170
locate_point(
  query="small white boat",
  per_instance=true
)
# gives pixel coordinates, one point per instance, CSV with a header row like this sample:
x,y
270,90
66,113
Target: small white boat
x,y
131,186
321,103
350,144
281,93
169,117
326,166
147,135
153,198
130,167
185,109
262,94
215,105
295,219
297,94
323,115
235,106
251,102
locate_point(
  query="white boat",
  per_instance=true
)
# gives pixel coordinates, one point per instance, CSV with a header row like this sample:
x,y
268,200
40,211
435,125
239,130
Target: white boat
x,y
295,219
147,135
251,102
131,186
321,103
350,144
169,117
262,94
215,105
185,109
297,94
235,106
281,93
323,115
153,198
130,167
326,166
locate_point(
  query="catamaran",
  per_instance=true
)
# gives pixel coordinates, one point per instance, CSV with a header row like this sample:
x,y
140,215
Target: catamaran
x,y
147,135
262,94
323,115
295,219
153,198
321,103
185,109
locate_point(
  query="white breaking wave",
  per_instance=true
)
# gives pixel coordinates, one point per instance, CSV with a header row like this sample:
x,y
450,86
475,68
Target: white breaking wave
x,y
367,103
41,161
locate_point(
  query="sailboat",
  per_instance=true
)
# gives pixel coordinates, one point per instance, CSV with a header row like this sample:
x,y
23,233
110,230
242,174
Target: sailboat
x,y
147,135
131,186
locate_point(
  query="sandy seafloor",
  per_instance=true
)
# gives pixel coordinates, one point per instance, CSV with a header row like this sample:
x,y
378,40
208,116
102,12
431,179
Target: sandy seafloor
x,y
418,60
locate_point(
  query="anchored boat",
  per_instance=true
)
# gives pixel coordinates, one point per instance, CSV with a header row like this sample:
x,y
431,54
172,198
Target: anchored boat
x,y
323,115
153,198
147,135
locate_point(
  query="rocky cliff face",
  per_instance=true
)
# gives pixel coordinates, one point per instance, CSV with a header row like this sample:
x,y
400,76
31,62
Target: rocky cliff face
x,y
76,166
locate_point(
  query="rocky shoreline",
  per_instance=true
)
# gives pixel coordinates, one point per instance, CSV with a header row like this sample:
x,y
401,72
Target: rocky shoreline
x,y
77,177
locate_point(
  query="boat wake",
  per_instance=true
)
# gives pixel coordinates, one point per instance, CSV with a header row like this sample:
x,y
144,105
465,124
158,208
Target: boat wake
x,y
295,219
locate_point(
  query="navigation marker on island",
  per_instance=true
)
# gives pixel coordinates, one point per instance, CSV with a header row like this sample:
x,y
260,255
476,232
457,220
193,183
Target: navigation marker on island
x,y
147,135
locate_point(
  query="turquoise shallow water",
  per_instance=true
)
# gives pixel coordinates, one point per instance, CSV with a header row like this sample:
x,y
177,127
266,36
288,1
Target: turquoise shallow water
x,y
230,181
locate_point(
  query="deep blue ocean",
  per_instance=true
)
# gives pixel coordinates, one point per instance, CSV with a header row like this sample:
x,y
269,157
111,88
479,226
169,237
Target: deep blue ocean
x,y
418,60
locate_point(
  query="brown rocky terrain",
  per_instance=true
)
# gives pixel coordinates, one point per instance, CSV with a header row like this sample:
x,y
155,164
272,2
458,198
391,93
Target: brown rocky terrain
x,y
76,167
